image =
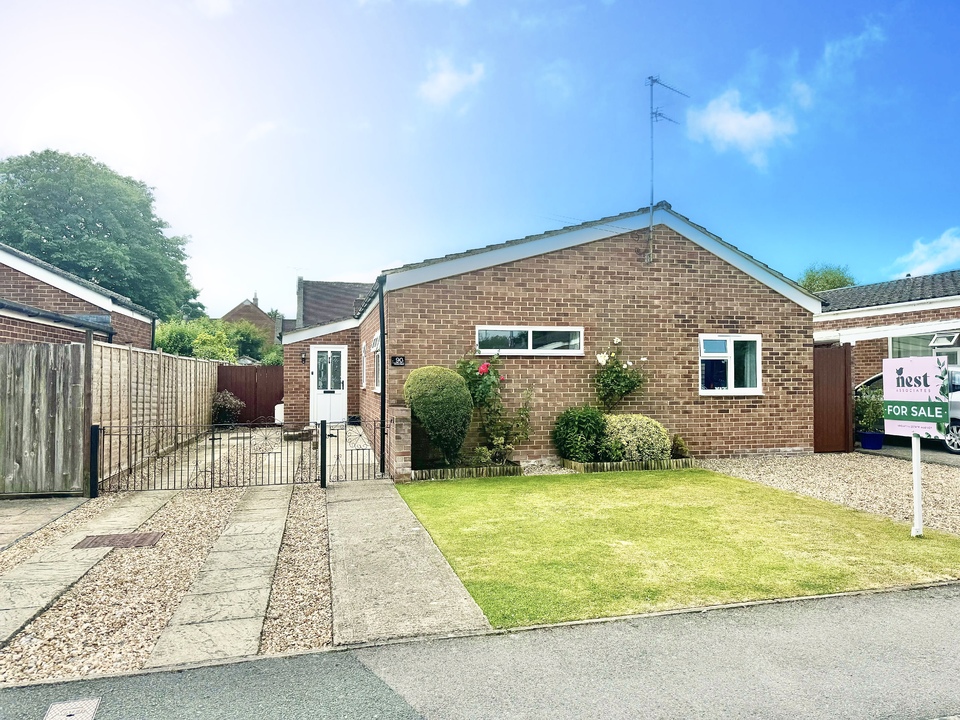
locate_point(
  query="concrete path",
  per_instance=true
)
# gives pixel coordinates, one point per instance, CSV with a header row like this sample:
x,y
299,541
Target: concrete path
x,y
29,588
931,451
19,518
389,578
222,614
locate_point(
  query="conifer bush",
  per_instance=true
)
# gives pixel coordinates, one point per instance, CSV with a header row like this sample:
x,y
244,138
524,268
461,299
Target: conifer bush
x,y
439,399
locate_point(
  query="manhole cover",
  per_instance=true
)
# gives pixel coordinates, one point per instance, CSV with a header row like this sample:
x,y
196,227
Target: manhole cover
x,y
124,540
73,710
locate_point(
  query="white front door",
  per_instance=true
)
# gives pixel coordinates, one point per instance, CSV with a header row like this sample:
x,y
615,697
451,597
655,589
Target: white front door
x,y
328,383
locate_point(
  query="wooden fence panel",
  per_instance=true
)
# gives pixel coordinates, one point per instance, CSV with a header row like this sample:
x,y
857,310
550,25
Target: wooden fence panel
x,y
41,419
260,387
832,399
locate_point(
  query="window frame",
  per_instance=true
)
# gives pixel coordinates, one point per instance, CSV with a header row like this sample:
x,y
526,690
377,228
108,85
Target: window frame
x,y
729,357
529,350
377,365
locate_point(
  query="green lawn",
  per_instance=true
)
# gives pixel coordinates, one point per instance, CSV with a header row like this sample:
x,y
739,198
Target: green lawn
x,y
564,547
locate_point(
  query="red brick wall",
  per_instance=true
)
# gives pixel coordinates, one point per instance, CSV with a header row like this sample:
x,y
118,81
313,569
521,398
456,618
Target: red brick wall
x,y
130,331
13,330
296,376
21,288
868,355
657,309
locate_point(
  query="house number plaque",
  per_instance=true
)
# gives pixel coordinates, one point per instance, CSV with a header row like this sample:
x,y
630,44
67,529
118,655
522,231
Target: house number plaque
x,y
398,360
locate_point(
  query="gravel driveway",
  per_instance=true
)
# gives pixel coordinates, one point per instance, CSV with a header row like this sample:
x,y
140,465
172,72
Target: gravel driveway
x,y
876,484
110,620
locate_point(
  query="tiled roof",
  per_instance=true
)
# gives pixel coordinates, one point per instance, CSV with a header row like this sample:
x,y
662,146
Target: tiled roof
x,y
921,287
252,314
119,299
323,302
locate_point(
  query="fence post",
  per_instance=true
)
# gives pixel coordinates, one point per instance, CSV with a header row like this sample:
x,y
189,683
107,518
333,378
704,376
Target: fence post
x,y
93,488
323,453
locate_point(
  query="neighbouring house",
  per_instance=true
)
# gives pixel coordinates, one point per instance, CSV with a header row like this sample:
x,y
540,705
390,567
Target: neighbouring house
x,y
42,303
912,316
250,311
728,340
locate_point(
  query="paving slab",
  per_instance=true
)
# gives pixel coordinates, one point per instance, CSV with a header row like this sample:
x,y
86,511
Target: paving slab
x,y
31,587
221,617
20,518
389,579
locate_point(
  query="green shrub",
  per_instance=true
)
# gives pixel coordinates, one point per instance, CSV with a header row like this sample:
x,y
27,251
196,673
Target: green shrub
x,y
642,438
868,409
441,402
678,448
578,434
226,408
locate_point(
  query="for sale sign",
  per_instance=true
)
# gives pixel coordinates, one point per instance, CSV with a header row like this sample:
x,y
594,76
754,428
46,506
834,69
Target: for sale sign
x,y
916,398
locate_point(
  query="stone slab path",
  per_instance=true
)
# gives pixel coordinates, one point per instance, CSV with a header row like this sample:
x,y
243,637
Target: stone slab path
x,y
19,518
389,578
32,586
221,616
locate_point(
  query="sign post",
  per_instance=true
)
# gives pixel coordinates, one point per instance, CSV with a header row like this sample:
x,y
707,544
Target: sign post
x,y
916,404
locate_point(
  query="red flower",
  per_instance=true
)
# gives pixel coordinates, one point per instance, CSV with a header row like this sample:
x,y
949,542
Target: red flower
x,y
483,369
502,378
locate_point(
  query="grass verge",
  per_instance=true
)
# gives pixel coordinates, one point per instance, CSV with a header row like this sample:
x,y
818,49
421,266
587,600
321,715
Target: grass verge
x,y
534,550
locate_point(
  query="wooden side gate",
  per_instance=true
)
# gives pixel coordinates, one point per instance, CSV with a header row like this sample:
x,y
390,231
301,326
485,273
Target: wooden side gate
x,y
259,386
832,399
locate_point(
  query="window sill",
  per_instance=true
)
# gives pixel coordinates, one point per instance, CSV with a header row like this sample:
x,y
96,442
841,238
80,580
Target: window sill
x,y
732,393
532,353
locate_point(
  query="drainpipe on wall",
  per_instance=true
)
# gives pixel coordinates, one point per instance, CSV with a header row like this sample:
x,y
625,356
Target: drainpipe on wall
x,y
153,334
383,374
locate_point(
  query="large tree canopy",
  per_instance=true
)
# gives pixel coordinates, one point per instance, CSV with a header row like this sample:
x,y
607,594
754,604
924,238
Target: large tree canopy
x,y
820,276
81,216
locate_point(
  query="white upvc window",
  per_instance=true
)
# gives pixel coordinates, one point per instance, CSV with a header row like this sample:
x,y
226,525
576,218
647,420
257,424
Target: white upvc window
x,y
730,365
529,340
363,365
375,348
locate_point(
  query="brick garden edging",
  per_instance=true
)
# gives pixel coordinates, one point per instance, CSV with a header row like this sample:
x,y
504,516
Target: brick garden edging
x,y
467,472
627,466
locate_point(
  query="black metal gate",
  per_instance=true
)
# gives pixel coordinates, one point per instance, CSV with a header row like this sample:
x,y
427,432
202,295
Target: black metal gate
x,y
212,456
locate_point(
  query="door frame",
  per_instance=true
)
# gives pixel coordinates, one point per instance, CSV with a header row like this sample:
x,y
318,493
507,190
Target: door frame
x,y
316,409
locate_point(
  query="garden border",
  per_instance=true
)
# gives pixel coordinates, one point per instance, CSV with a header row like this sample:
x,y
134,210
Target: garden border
x,y
509,470
627,466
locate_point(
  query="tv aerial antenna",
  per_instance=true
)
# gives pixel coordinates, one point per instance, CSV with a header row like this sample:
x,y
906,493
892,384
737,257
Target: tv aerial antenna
x,y
656,116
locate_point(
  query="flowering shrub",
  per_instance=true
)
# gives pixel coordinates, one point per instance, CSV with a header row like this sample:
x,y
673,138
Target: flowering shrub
x,y
500,431
639,437
226,408
616,377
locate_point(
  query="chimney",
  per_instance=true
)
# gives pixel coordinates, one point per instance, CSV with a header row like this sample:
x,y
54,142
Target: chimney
x,y
255,301
300,302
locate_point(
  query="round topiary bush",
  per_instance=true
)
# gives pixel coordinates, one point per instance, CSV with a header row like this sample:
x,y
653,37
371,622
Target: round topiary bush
x,y
441,402
578,434
640,437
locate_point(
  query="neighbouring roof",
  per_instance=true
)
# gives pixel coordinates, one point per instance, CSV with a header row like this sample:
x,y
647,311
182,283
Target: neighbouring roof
x,y
119,299
908,289
81,322
320,302
252,313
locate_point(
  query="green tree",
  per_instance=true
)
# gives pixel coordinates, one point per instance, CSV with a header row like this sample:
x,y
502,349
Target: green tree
x,y
213,346
180,337
81,216
820,276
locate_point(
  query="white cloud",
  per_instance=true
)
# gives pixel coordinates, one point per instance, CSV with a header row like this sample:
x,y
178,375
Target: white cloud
x,y
726,124
930,257
445,82
839,55
215,8
261,130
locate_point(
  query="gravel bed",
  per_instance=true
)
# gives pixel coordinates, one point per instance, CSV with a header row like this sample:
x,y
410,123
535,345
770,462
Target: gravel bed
x,y
880,485
300,613
27,547
545,467
111,619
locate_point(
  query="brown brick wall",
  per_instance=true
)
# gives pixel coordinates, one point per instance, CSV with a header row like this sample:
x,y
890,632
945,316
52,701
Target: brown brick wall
x,y
657,309
296,376
14,330
868,356
130,331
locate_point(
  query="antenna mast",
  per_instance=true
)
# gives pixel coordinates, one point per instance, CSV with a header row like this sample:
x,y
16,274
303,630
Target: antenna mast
x,y
656,116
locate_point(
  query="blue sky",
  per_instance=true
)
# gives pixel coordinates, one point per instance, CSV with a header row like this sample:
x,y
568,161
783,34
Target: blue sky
x,y
336,138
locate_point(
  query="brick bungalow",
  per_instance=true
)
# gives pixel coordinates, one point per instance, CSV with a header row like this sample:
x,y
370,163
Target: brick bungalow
x,y
728,340
912,316
250,311
42,303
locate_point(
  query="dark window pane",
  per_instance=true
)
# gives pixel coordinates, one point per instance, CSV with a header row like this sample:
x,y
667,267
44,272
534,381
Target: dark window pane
x,y
336,372
556,339
322,370
502,339
713,374
744,364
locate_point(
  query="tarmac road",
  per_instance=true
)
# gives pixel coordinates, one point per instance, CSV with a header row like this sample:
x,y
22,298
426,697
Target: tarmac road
x,y
884,655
